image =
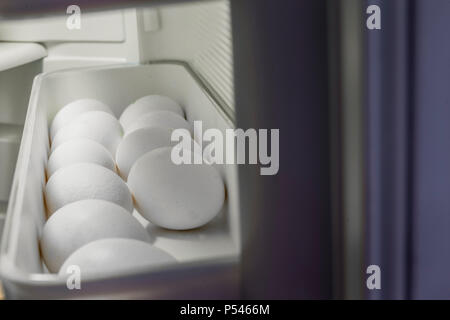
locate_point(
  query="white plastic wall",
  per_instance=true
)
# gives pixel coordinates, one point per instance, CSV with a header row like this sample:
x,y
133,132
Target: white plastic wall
x,y
198,33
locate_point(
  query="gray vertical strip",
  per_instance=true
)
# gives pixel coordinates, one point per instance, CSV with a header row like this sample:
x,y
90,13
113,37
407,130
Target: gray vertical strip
x,y
335,101
388,135
352,153
431,190
281,81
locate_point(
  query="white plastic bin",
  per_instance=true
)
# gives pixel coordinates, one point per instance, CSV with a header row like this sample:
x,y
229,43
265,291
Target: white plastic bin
x,y
208,257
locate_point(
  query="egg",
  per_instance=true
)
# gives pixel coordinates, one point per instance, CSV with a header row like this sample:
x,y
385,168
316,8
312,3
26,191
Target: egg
x,y
70,111
177,197
86,181
115,256
148,104
163,119
79,150
95,125
82,222
137,143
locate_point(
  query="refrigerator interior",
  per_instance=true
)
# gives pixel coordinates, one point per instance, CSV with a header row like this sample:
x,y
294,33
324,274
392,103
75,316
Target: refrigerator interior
x,y
183,51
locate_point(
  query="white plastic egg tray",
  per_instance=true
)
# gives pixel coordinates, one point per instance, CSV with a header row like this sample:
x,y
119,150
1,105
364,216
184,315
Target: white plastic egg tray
x,y
207,257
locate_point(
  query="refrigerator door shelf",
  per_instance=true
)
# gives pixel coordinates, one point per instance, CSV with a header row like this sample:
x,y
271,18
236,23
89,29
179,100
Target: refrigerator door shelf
x,y
208,256
17,54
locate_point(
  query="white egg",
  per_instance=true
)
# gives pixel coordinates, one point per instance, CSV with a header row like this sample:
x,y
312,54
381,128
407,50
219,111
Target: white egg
x,y
174,196
79,150
95,125
82,222
70,111
148,104
162,119
115,256
137,143
86,181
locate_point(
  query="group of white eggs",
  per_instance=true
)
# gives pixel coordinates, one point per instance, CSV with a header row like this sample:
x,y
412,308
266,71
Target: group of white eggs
x,y
100,169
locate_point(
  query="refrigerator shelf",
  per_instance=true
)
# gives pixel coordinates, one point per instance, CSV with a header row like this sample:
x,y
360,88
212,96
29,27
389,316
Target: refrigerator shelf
x,y
208,257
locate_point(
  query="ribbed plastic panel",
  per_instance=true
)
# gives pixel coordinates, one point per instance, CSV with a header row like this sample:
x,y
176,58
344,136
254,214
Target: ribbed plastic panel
x,y
215,61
